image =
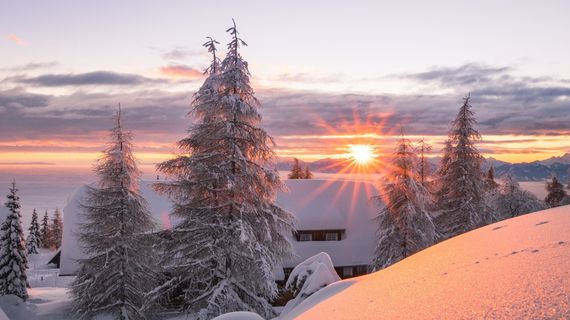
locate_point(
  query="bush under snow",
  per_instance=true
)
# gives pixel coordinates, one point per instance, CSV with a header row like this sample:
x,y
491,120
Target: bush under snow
x,y
309,277
239,315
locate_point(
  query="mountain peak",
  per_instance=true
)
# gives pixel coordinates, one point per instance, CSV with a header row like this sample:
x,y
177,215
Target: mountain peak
x,y
564,159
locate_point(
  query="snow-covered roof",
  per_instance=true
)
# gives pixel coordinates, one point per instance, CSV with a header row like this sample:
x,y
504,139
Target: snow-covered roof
x,y
316,204
333,204
513,269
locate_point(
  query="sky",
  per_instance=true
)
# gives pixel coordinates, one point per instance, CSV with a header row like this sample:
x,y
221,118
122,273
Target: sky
x,y
327,73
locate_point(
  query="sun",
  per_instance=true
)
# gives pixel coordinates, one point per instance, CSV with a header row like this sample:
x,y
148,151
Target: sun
x,y
361,153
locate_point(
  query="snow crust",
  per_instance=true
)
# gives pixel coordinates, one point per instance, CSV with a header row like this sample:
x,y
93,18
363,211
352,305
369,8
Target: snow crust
x,y
513,269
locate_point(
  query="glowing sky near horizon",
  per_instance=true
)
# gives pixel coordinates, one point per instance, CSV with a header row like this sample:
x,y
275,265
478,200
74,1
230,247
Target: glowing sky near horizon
x,y
328,74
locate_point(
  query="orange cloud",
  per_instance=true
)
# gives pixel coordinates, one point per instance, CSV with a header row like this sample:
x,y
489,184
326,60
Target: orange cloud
x,y
181,71
19,41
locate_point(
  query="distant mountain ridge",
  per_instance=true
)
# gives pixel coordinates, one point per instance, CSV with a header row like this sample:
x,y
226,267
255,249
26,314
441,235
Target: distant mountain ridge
x,y
564,159
534,171
538,170
327,165
526,171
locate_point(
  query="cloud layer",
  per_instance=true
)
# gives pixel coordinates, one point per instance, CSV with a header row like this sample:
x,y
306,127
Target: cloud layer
x,y
182,71
86,79
503,103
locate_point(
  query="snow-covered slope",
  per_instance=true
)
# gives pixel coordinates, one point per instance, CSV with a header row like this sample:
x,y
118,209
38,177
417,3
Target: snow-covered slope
x,y
3,316
515,269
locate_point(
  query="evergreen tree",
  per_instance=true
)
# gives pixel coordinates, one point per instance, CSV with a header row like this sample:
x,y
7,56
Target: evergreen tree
x,y
423,163
56,230
438,188
33,241
13,260
296,170
116,273
491,173
490,179
461,187
405,226
307,174
556,193
446,158
231,235
45,238
512,201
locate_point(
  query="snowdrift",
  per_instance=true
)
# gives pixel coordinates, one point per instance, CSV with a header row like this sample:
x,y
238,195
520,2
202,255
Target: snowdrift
x,y
514,269
3,316
309,277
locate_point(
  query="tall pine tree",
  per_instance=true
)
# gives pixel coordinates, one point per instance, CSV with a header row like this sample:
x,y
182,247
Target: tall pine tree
x,y
405,226
56,230
296,170
424,169
461,186
307,174
115,276
490,182
447,155
231,235
13,259
33,241
45,238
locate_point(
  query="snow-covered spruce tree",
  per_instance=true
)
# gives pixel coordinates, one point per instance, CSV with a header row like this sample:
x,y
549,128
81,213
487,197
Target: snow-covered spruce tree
x,y
116,273
307,174
446,156
231,235
512,201
45,238
56,229
461,194
490,179
33,242
13,260
296,170
556,193
424,169
405,226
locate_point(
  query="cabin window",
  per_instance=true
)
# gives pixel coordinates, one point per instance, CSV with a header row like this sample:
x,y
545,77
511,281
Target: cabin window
x,y
360,270
347,271
331,236
305,237
319,235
